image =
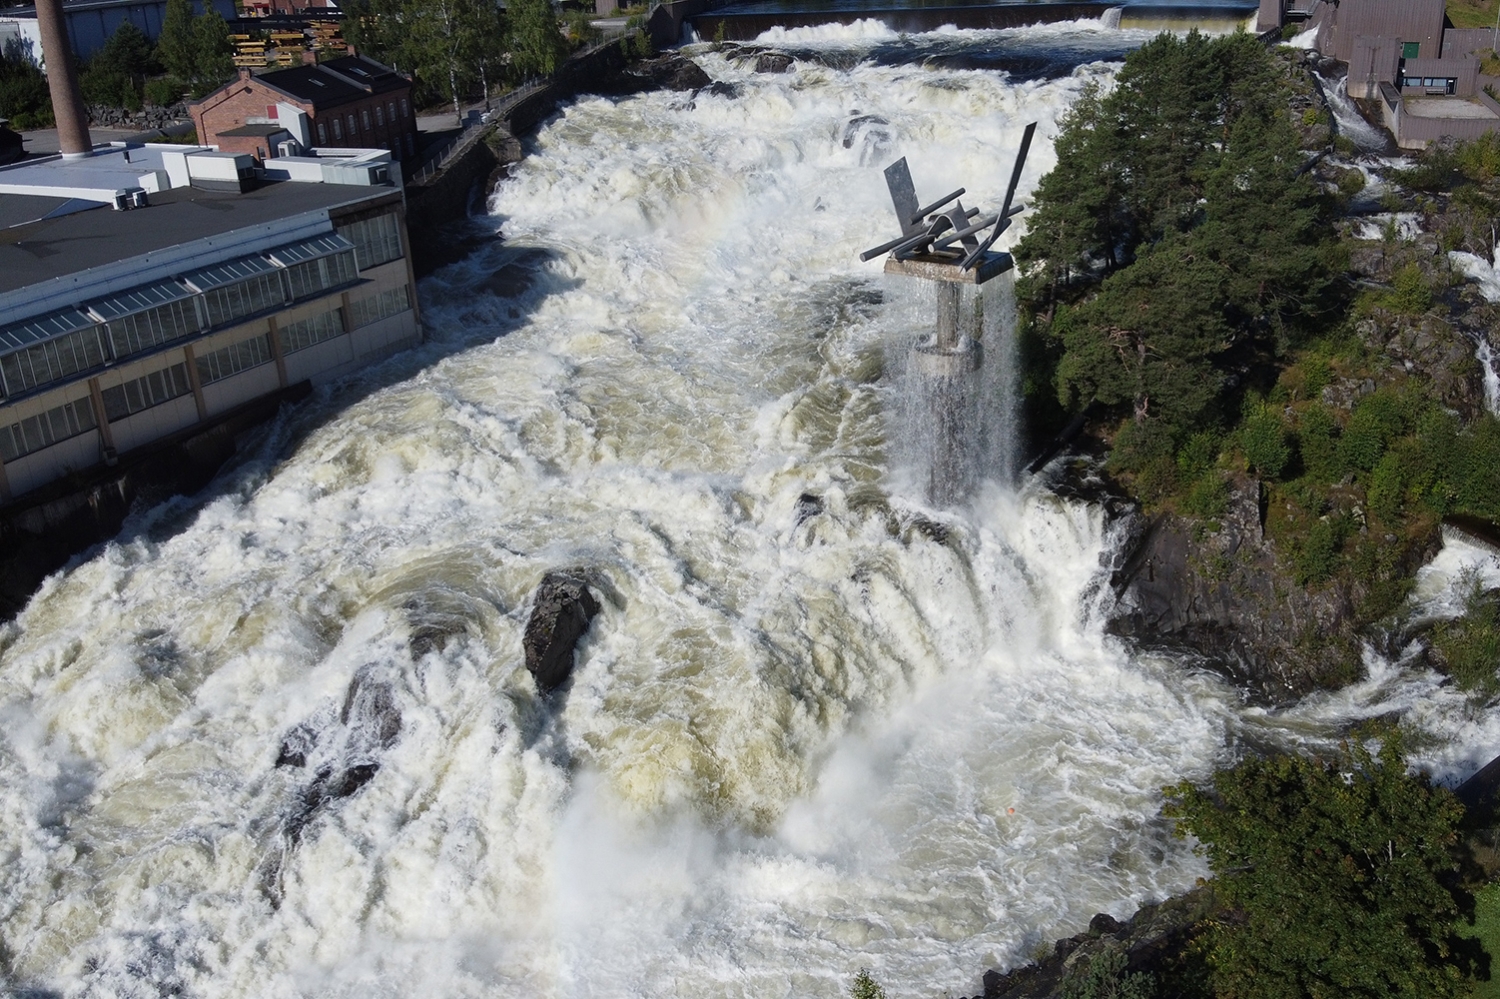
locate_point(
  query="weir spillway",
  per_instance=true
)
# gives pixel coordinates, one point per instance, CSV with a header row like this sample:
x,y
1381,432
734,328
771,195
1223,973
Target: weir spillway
x,y
749,19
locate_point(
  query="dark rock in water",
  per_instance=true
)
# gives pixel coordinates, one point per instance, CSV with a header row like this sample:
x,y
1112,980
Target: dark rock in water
x,y
671,72
371,714
296,746
773,62
1152,938
1103,923
562,612
721,89
808,506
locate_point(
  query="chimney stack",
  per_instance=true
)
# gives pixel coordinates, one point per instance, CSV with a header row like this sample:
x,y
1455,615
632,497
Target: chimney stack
x,y
62,80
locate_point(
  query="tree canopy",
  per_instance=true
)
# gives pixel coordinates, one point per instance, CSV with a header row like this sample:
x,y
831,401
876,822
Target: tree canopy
x,y
1179,235
1339,873
195,49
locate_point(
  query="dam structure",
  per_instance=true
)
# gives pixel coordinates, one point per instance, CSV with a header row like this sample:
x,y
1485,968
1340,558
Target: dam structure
x,y
747,20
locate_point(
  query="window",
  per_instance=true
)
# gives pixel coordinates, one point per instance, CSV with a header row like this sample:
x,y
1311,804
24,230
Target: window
x,y
390,112
1411,50
376,240
233,359
244,298
52,361
364,117
410,144
316,276
379,115
304,333
144,330
364,311
353,128
147,391
405,110
36,432
322,133
338,131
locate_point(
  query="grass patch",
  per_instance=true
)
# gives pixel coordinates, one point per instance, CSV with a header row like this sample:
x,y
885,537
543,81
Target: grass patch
x,y
1472,13
1486,929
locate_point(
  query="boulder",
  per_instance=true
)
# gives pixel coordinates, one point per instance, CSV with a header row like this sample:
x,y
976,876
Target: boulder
x,y
773,62
562,612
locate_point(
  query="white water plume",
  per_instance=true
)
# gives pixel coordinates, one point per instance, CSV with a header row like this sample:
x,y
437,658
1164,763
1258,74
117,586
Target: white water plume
x,y
1487,276
280,741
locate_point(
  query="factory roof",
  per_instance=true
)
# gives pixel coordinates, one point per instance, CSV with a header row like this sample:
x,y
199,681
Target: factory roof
x,y
52,247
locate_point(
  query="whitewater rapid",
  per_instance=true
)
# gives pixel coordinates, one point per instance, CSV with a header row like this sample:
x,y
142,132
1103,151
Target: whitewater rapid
x,y
815,727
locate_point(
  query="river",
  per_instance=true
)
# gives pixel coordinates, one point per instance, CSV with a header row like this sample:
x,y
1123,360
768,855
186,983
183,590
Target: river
x,y
816,726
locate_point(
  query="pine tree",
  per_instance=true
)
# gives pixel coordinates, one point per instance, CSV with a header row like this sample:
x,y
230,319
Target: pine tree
x,y
1340,875
213,53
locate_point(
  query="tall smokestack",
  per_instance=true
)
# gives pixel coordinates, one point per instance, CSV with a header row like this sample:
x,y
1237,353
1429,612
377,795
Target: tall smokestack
x,y
62,80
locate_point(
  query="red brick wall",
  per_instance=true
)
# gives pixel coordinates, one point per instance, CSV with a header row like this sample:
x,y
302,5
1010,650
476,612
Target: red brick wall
x,y
246,99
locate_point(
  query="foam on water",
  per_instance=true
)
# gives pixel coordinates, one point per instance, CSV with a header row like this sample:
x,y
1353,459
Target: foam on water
x,y
1484,273
815,727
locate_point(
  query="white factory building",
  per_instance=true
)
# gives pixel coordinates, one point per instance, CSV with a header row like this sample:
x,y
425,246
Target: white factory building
x,y
147,292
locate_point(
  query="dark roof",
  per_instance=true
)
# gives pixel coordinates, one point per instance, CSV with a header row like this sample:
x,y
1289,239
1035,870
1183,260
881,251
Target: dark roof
x,y
51,248
337,81
257,131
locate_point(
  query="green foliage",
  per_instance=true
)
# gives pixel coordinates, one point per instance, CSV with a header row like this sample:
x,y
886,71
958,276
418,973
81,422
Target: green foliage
x,y
195,50
1315,556
1317,443
1341,872
865,987
213,53
1377,419
24,97
116,75
1264,441
176,47
643,47
1386,488
1105,976
1207,498
164,92
1410,294
1184,186
1470,645
537,46
1145,449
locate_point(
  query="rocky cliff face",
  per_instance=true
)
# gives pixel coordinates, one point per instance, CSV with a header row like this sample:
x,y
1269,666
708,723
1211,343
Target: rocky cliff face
x,y
1226,595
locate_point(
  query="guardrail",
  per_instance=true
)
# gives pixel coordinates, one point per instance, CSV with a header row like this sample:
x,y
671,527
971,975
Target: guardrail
x,y
475,126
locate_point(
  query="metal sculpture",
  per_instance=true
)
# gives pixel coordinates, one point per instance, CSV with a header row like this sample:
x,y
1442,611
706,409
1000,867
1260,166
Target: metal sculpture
x,y
944,243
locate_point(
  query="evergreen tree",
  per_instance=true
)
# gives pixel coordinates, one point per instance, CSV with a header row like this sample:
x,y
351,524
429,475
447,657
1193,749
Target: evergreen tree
x,y
118,71
1340,875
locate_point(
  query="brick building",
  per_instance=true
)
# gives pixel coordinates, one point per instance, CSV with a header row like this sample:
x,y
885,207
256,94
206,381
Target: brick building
x,y
350,102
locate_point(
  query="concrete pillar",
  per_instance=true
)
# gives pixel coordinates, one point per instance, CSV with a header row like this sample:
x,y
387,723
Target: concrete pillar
x,y
62,80
276,354
195,381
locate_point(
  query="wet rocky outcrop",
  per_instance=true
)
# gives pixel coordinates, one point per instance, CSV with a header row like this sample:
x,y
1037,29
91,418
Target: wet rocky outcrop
x,y
334,755
1151,940
773,62
1226,596
559,619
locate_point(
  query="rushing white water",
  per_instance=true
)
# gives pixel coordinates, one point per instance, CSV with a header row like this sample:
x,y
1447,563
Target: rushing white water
x,y
814,728
1351,124
1485,274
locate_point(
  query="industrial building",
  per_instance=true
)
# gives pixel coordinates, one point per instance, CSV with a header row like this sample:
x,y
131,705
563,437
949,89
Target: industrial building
x,y
148,291
1403,54
349,102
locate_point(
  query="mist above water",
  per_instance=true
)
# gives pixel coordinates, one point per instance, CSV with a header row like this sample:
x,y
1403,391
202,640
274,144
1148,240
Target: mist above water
x,y
818,725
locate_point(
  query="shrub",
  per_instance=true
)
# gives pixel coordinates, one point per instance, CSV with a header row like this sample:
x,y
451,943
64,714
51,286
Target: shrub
x,y
1386,487
1339,873
165,92
1315,556
1376,420
1105,977
1144,448
1409,294
1264,442
1208,497
1317,443
1470,645
865,987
